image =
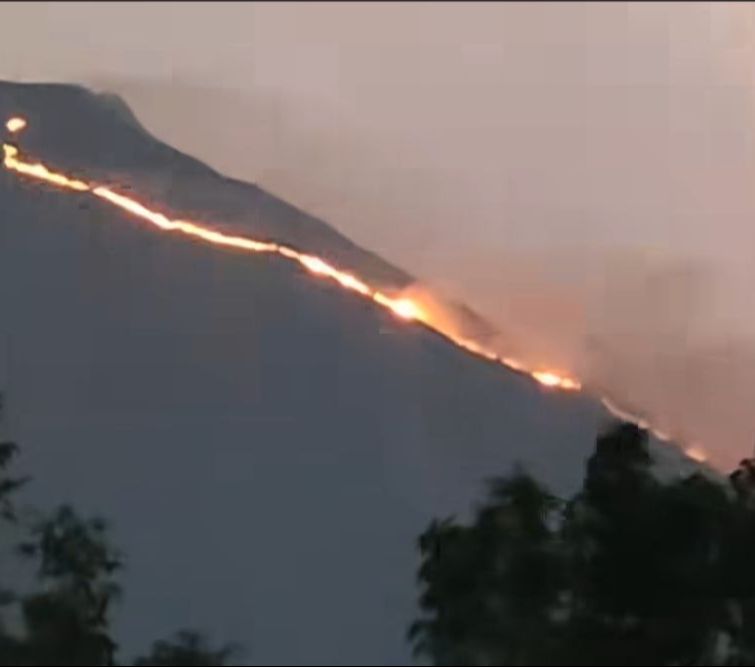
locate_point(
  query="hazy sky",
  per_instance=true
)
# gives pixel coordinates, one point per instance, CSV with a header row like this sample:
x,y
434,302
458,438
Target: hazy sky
x,y
580,173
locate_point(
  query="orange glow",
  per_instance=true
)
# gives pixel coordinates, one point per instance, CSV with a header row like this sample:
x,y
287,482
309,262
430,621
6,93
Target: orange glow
x,y
513,363
407,309
39,171
404,308
696,454
550,379
15,125
546,378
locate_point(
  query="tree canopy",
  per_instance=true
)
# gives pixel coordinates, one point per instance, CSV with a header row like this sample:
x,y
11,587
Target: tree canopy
x,y
67,619
629,571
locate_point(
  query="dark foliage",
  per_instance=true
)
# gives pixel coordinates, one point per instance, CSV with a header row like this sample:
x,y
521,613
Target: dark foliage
x,y
630,571
67,620
187,648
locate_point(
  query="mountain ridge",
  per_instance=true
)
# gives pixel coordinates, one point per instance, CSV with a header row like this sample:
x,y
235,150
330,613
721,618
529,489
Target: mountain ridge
x,y
199,398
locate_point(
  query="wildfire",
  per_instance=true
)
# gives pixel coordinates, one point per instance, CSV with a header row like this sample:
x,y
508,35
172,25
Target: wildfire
x,y
552,380
39,171
402,307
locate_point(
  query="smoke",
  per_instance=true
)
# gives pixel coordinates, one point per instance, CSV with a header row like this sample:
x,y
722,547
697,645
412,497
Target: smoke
x,y
579,174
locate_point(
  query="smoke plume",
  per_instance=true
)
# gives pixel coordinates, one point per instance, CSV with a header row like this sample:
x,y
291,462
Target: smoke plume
x,y
579,174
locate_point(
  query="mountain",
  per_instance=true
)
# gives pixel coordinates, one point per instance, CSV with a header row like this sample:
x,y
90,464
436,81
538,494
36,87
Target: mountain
x,y
267,446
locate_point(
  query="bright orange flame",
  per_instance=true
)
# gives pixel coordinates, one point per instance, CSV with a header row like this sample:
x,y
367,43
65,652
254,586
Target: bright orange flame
x,y
39,171
550,379
15,125
407,309
402,307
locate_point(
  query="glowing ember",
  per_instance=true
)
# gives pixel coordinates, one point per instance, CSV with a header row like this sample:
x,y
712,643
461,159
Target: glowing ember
x,y
402,307
15,125
39,171
406,308
550,379
546,378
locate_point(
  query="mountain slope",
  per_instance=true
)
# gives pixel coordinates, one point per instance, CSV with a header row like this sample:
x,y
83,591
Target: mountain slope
x,y
267,446
95,135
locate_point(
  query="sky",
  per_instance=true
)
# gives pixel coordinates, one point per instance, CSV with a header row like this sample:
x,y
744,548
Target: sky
x,y
579,173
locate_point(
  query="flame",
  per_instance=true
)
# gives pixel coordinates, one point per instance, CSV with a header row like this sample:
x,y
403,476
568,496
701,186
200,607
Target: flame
x,y
39,171
404,308
550,379
15,124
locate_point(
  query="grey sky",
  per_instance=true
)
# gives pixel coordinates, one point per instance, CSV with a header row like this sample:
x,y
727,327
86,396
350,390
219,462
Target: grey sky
x,y
581,173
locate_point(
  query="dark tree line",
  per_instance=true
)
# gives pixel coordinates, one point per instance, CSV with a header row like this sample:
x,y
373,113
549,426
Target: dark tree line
x,y
66,619
629,571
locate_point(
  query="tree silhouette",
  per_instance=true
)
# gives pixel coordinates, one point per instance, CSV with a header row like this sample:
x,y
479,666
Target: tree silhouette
x,y
8,485
67,621
188,648
490,585
644,559
628,571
